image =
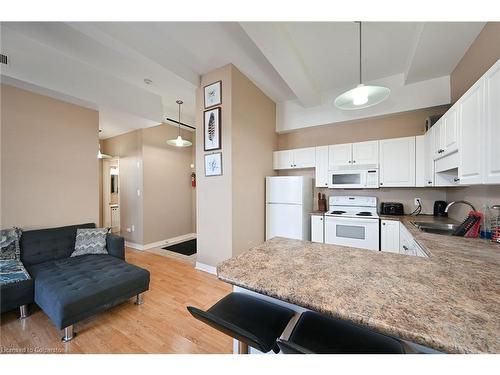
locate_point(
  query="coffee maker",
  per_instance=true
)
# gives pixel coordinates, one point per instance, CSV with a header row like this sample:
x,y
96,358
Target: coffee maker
x,y
439,207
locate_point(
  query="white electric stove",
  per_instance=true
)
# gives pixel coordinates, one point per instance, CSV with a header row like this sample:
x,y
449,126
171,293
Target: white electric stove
x,y
353,221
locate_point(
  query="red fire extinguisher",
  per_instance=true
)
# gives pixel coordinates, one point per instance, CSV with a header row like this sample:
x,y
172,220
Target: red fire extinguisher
x,y
193,179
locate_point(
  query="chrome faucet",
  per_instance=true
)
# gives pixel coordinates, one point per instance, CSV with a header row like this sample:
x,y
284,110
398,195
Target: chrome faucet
x,y
455,202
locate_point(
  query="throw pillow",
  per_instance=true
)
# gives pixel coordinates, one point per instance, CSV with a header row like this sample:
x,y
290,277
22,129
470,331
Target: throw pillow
x,y
9,244
90,241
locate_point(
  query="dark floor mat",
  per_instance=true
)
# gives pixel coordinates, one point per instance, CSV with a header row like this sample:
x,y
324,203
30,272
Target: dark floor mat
x,y
184,248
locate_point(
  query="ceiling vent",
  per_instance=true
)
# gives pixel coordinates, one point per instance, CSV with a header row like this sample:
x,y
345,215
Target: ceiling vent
x,y
3,59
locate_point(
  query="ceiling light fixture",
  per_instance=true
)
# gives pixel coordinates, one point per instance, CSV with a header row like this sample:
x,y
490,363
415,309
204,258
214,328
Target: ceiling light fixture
x,y
362,96
179,142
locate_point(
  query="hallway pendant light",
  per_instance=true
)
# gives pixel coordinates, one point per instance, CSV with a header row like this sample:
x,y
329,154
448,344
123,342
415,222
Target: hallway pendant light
x,y
100,155
179,142
362,96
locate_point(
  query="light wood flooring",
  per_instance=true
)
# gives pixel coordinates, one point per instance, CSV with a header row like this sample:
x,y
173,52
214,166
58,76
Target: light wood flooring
x,y
161,325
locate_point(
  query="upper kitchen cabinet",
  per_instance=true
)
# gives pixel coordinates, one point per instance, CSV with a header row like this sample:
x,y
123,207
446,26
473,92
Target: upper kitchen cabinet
x,y
492,122
339,155
397,162
429,157
446,134
471,125
294,159
420,161
321,172
353,154
365,152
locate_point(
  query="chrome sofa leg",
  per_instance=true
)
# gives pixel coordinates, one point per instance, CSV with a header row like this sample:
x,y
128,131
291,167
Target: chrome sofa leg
x,y
23,312
69,334
139,300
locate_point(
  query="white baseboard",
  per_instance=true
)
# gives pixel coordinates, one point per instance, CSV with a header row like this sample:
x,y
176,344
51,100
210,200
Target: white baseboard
x,y
206,268
168,241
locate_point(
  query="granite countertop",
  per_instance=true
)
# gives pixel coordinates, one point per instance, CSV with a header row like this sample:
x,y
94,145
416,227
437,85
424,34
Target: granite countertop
x,y
449,301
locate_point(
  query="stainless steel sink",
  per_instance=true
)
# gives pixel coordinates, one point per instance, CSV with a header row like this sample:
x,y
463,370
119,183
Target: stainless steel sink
x,y
437,228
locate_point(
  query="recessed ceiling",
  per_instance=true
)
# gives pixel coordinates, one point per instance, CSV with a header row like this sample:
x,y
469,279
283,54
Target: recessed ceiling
x,y
105,63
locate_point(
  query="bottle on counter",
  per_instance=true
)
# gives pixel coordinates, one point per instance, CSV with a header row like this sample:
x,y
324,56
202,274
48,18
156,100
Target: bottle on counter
x,y
486,224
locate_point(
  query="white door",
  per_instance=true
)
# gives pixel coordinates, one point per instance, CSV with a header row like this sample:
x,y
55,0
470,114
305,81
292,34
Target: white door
x,y
429,157
321,171
420,161
284,189
365,152
283,220
304,157
283,159
450,142
389,236
471,118
361,233
397,162
317,228
492,121
339,155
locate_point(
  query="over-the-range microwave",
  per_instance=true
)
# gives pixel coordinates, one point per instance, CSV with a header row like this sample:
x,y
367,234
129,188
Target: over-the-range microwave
x,y
366,177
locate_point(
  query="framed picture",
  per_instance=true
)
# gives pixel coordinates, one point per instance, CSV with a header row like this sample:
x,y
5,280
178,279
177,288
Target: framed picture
x,y
213,164
213,94
212,129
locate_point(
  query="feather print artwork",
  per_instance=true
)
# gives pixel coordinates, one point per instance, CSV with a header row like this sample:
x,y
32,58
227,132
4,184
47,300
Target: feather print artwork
x,y
211,127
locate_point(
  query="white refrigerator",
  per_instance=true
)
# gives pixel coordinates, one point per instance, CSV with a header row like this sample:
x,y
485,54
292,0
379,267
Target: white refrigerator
x,y
288,206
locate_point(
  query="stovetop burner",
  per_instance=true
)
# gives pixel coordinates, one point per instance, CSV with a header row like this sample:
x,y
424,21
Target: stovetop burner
x,y
364,213
338,212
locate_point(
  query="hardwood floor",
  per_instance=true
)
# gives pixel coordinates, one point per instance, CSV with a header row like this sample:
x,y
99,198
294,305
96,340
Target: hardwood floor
x,y
161,325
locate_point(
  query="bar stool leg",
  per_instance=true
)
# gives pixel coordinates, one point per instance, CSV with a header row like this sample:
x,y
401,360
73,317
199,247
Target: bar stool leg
x,y
23,312
242,348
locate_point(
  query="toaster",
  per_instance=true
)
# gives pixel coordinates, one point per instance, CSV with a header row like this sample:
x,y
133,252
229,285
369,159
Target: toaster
x,y
391,208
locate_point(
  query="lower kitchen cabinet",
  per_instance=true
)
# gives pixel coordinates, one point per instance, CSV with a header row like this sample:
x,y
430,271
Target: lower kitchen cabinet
x,y
317,228
389,236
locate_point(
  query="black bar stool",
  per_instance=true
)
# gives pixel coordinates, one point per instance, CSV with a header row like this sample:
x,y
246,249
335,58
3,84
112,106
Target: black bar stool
x,y
318,334
248,319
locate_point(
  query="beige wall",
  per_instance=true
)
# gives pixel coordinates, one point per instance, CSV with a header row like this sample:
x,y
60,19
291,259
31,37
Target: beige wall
x,y
230,208
392,126
214,194
49,174
128,148
480,56
253,140
167,184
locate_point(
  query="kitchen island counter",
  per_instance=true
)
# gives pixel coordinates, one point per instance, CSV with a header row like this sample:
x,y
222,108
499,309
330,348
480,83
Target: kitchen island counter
x,y
449,301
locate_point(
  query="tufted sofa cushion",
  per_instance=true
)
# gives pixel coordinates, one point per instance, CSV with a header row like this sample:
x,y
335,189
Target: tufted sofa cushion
x,y
42,245
71,289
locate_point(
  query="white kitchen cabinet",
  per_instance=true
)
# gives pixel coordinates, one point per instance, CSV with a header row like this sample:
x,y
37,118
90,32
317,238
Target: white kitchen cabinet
x,y
317,228
449,141
389,236
294,159
420,161
397,162
436,139
321,171
471,125
283,159
339,155
304,157
365,152
492,125
429,157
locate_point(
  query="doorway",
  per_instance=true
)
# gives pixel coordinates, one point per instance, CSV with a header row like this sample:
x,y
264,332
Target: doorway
x,y
111,194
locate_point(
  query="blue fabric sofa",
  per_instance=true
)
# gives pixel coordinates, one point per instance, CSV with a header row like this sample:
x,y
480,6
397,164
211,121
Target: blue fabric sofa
x,y
70,289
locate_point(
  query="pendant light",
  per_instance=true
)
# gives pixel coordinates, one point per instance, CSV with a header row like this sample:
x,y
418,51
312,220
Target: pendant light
x,y
179,142
362,96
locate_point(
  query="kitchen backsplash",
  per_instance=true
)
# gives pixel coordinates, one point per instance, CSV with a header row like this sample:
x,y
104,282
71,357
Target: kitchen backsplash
x,y
403,195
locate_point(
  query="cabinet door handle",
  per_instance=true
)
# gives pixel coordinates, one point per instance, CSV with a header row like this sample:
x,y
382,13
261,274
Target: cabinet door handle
x,y
321,219
405,248
456,179
381,183
354,161
350,161
429,182
383,223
